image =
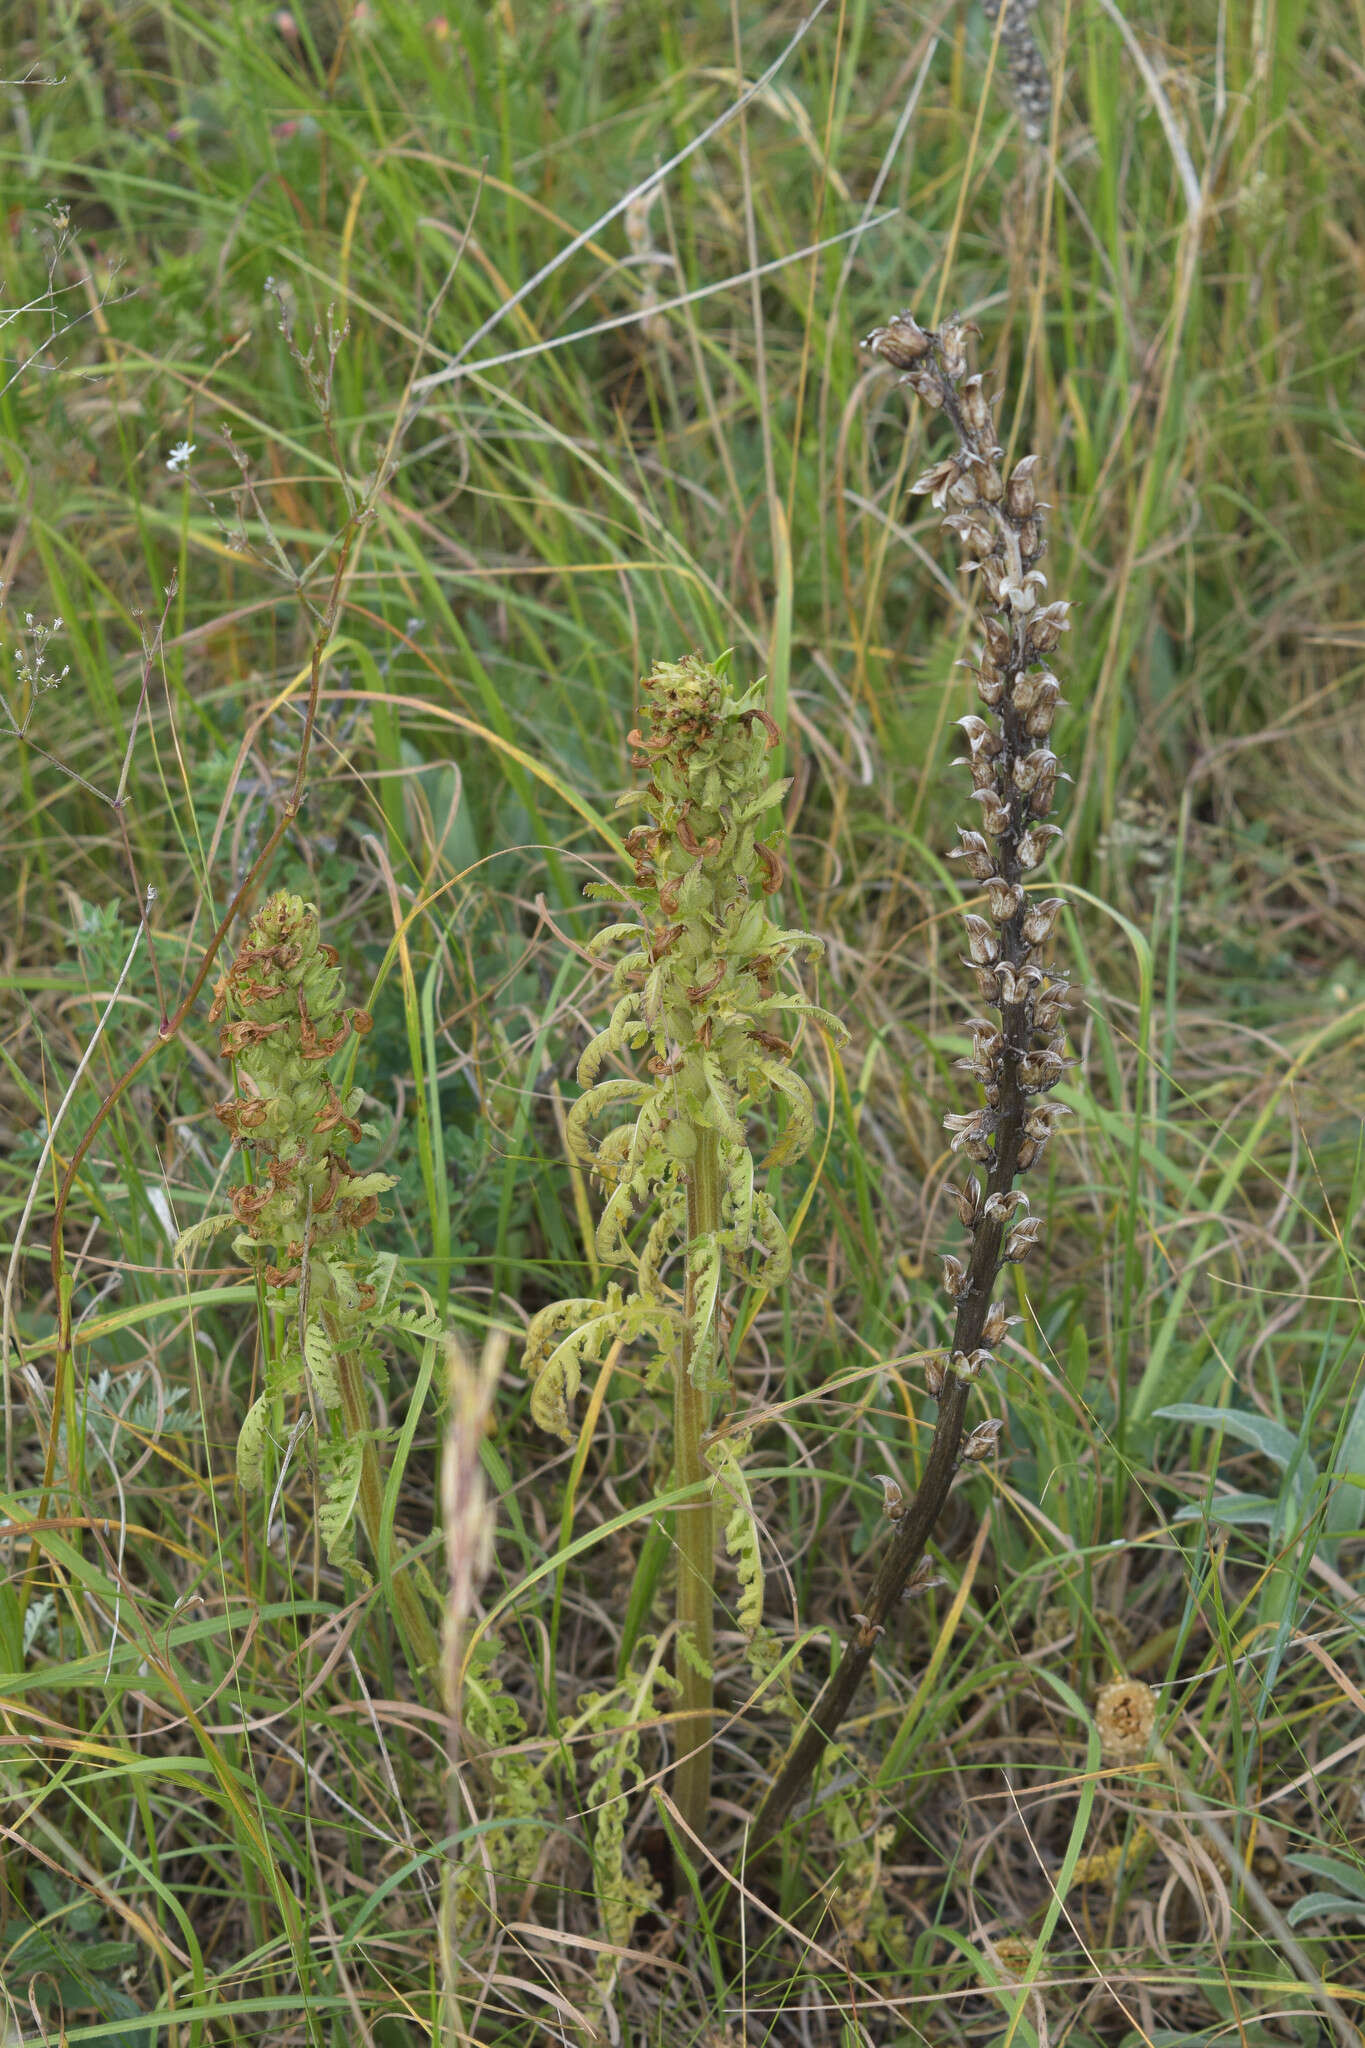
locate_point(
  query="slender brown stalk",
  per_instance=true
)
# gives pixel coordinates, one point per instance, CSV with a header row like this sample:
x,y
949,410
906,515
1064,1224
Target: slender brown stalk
x,y
1017,1055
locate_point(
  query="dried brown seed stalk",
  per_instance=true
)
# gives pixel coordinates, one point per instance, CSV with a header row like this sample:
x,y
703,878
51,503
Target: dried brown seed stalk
x,y
1018,1052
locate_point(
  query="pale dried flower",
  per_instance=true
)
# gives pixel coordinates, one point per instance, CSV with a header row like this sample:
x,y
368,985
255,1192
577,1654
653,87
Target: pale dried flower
x,y
1125,1715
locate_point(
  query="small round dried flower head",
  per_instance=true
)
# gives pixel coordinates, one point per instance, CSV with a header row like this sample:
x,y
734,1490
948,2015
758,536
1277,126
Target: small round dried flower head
x,y
1014,1953
1125,1715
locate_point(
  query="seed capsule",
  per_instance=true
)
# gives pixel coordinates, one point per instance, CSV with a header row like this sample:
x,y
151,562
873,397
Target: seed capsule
x,y
955,1284
902,343
1033,845
978,856
1039,920
1004,898
983,944
997,1323
983,1439
1022,1239
995,812
1047,626
976,407
1020,496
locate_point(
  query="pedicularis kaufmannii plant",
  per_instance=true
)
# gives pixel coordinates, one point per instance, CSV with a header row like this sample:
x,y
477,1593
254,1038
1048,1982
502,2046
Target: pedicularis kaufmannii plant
x,y
700,999
1017,1052
300,1220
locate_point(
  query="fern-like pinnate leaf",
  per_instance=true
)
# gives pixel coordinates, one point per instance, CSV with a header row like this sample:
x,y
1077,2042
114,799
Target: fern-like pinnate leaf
x,y
336,1515
742,1543
201,1233
320,1356
251,1442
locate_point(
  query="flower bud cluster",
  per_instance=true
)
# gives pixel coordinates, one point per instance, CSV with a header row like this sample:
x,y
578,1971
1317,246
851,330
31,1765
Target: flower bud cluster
x,y
698,981
282,999
1017,1046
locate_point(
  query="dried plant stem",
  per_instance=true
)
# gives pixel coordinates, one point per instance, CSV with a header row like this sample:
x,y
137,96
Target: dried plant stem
x,y
903,1554
696,1518
1018,1054
419,1636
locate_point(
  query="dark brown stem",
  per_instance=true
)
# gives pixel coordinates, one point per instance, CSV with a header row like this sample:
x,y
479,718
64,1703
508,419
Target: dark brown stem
x,y
1014,777
907,1546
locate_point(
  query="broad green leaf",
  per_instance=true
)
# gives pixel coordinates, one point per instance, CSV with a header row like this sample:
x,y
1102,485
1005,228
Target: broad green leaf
x,y
1270,1438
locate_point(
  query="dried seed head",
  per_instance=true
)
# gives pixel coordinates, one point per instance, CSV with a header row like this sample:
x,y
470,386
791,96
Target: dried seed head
x,y
923,1579
982,942
902,342
971,1133
990,483
1038,723
893,1499
1016,983
1039,1071
955,1283
1021,1239
1044,1118
1004,898
987,1038
995,812
995,576
935,1372
968,1198
983,1439
983,739
1044,790
1048,1007
1029,768
978,856
969,1365
1020,496
976,407
1047,626
937,481
1125,1716
1033,845
953,342
997,642
997,1323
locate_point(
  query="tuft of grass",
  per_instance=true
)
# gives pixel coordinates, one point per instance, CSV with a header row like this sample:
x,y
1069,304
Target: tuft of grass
x,y
225,1803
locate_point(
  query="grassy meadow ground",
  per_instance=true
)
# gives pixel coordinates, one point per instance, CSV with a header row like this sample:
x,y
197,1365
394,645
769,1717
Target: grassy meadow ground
x,y
647,430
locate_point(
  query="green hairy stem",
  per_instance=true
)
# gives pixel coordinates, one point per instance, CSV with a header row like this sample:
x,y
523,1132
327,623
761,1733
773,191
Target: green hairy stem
x,y
696,1537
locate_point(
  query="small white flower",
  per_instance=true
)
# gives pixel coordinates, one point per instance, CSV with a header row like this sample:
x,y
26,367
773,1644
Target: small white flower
x,y
179,457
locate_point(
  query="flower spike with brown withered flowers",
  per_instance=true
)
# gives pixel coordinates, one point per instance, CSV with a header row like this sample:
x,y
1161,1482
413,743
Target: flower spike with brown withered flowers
x,y
1018,1049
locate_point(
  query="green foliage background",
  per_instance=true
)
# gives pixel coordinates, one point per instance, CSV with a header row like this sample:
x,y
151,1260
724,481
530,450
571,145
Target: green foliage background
x,y
223,1794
